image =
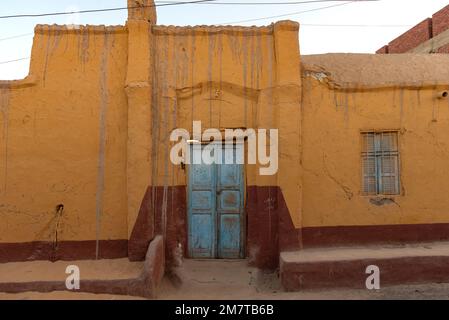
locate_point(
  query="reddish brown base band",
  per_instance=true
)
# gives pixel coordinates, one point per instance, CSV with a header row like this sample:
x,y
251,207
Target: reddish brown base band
x,y
363,235
64,250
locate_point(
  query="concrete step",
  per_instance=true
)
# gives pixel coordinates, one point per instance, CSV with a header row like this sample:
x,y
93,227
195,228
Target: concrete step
x,y
345,267
114,276
37,271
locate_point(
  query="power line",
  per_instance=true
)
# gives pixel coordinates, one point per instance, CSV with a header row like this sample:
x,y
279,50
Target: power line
x,y
166,3
17,36
290,14
302,25
358,25
275,3
172,3
9,61
101,10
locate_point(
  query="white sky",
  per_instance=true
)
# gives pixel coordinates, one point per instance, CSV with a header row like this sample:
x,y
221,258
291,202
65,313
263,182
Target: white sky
x,y
313,39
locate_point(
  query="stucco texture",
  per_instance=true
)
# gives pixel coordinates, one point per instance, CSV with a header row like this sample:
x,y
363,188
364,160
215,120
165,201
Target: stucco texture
x,y
369,70
85,136
62,139
373,95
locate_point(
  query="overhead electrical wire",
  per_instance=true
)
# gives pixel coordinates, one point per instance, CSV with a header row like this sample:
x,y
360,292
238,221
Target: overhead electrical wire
x,y
16,36
171,3
289,14
274,3
101,10
302,25
15,60
357,25
166,3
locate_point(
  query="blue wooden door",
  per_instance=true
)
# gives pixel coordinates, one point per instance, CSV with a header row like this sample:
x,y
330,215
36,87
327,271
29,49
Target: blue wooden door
x,y
215,213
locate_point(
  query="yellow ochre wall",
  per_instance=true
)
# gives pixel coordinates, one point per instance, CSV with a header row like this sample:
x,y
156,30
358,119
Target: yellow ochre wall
x,y
89,127
63,139
225,77
333,119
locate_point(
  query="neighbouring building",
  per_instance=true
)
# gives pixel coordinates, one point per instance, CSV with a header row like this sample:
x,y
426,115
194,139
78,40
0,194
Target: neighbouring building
x,y
429,36
85,168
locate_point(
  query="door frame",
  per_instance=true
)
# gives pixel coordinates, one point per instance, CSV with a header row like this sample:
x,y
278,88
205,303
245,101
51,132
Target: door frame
x,y
243,216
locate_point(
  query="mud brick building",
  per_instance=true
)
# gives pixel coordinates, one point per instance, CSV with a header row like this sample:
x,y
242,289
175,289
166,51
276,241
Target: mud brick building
x,y
84,151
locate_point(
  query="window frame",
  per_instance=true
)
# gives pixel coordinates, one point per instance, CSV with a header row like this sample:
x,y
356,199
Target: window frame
x,y
362,156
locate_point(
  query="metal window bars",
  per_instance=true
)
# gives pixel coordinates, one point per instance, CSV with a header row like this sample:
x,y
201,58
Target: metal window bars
x,y
380,163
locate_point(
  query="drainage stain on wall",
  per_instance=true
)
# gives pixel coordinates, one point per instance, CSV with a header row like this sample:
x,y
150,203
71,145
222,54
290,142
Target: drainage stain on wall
x,y
4,109
104,101
62,139
195,85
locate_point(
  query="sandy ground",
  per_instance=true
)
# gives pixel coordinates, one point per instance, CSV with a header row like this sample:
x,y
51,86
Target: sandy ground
x,y
60,295
223,280
234,280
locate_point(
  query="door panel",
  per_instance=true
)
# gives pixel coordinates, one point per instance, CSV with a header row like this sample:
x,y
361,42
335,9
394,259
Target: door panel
x,y
202,176
230,201
230,236
203,201
203,236
229,175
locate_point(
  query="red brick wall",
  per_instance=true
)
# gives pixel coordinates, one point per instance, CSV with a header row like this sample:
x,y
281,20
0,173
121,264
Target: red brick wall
x,y
422,32
383,50
440,21
412,38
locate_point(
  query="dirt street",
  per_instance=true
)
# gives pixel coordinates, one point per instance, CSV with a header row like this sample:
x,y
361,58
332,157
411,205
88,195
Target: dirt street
x,y
226,280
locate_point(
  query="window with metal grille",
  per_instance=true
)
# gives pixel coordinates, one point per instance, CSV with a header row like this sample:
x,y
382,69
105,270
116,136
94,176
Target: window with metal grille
x,y
380,163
